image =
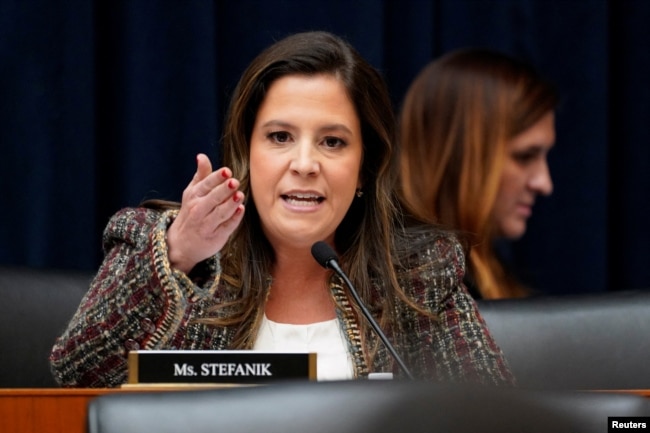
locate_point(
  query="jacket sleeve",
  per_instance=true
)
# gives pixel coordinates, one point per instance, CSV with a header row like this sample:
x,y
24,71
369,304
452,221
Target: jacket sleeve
x,y
136,301
453,343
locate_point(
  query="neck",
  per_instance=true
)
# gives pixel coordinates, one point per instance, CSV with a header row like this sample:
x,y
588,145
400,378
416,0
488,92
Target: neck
x,y
296,272
300,290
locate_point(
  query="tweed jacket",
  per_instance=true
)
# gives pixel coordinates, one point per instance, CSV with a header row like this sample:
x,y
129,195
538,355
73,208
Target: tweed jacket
x,y
137,301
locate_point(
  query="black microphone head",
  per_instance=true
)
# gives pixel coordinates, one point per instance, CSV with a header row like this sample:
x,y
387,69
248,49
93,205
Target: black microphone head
x,y
323,253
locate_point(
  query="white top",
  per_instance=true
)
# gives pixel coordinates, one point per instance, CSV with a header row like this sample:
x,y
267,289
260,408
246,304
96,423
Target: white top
x,y
333,361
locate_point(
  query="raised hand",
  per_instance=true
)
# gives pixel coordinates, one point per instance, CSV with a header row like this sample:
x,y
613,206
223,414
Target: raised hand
x,y
211,209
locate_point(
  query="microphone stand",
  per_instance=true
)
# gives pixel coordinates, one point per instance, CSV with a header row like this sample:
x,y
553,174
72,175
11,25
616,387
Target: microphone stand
x,y
327,258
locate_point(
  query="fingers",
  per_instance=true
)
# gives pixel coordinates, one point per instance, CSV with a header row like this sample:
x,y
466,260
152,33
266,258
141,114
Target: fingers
x,y
229,225
203,168
212,197
205,180
211,209
206,184
220,203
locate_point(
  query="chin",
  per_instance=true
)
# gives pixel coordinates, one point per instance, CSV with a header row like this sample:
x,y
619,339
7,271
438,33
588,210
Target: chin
x,y
516,234
513,232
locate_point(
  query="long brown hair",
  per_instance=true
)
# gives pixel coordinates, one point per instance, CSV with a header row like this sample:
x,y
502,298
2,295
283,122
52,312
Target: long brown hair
x,y
456,119
364,239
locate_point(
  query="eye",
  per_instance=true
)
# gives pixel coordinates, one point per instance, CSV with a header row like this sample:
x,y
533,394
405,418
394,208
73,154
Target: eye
x,y
526,156
333,142
279,136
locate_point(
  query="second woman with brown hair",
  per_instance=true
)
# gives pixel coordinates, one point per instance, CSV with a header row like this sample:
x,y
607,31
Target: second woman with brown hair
x,y
475,129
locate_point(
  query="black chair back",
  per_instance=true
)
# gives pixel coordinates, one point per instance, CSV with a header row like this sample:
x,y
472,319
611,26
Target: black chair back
x,y
590,341
36,307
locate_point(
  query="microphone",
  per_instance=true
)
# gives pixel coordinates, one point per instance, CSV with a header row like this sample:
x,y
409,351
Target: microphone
x,y
327,258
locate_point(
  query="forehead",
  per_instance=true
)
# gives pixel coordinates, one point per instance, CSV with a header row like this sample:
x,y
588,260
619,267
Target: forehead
x,y
540,134
321,83
296,95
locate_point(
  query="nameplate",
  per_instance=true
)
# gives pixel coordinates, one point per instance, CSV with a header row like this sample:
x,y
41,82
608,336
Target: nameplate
x,y
218,366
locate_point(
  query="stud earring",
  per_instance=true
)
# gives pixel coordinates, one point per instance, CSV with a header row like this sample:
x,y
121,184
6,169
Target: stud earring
x,y
359,193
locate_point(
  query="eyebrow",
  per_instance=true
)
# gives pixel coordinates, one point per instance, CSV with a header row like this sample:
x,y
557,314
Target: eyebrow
x,y
326,128
535,146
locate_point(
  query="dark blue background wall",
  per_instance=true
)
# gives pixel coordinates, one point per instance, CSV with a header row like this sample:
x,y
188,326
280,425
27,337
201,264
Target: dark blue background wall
x,y
105,103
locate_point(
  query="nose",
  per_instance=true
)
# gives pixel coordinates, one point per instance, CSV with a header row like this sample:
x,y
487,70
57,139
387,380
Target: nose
x,y
304,159
541,181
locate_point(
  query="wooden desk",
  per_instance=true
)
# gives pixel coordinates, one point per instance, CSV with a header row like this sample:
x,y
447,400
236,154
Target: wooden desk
x,y
45,410
27,410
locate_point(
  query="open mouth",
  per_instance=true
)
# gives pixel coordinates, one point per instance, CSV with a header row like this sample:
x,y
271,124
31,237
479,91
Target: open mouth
x,y
303,199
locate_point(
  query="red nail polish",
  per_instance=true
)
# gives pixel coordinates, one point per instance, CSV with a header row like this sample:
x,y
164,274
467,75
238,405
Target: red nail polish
x,y
236,198
231,184
224,173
